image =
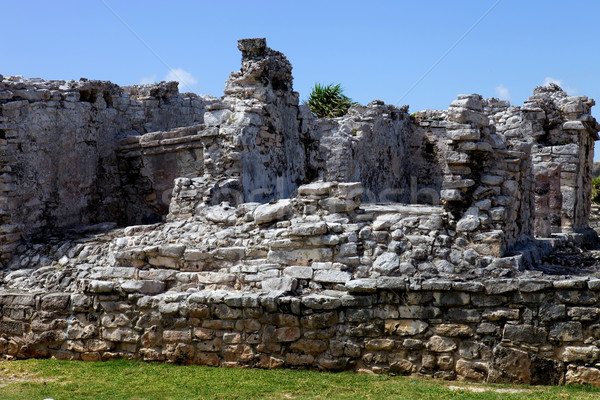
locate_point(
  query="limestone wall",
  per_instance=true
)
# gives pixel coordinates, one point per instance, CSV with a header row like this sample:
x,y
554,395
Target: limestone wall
x,y
85,152
273,238
527,331
59,139
369,145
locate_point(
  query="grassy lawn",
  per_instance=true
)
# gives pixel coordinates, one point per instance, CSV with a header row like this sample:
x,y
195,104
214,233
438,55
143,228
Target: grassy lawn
x,y
60,380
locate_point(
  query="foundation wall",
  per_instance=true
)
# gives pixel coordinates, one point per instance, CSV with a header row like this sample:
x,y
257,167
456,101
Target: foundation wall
x,y
526,331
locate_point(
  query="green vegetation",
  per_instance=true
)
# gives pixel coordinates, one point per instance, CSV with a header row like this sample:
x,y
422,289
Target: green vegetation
x,y
596,190
328,101
72,380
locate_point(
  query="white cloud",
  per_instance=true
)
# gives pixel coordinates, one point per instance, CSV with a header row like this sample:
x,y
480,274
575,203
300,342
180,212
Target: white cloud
x,y
502,93
186,80
548,80
570,90
145,80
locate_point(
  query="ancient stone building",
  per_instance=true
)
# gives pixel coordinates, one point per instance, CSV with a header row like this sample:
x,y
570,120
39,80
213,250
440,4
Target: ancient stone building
x,y
143,223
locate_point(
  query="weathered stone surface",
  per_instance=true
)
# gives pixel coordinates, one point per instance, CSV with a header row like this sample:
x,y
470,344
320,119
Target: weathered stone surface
x,y
386,263
566,331
405,327
510,365
362,285
579,375
441,344
453,330
143,286
332,276
284,284
524,334
579,353
222,264
267,213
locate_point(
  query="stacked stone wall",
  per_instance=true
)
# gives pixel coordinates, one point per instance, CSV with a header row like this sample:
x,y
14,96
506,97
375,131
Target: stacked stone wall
x,y
289,240
60,140
527,331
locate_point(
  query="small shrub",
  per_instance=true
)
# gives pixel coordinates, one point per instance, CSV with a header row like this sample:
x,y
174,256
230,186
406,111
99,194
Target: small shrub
x,y
596,190
328,101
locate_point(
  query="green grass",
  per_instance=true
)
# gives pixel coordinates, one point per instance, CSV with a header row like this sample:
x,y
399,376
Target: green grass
x,y
62,380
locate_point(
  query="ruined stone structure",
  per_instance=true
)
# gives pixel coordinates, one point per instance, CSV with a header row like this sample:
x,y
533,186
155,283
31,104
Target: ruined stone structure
x,y
138,222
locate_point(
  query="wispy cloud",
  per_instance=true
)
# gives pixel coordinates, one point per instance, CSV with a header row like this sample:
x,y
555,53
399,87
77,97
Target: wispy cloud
x,y
570,90
548,80
145,80
502,93
184,78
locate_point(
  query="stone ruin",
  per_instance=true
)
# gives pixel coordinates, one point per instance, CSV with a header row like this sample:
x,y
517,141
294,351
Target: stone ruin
x,y
139,222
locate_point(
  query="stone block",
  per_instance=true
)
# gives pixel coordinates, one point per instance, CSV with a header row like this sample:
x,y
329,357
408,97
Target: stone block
x,y
510,365
309,346
436,284
380,344
300,256
391,283
222,311
297,359
453,330
405,327
55,301
349,190
463,315
171,250
501,314
499,286
439,344
283,284
419,312
577,297
321,302
286,334
534,285
579,353
332,276
268,213
122,335
468,223
580,375
308,229
315,189
475,371
362,286
473,287
583,313
524,334
576,283
143,286
567,331
451,298
386,263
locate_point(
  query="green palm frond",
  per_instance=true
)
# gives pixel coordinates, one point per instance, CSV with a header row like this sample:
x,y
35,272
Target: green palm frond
x,y
328,101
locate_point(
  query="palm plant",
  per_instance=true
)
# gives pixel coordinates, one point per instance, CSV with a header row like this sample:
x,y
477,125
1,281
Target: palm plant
x,y
328,101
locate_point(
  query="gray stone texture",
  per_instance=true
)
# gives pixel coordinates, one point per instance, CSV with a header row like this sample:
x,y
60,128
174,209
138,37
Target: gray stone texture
x,y
245,231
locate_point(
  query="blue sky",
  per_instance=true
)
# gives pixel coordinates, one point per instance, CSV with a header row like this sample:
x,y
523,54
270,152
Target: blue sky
x,y
421,53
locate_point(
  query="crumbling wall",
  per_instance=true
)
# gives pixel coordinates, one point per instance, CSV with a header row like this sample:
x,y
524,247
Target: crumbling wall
x,y
490,165
561,131
262,116
427,144
59,161
368,145
261,264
